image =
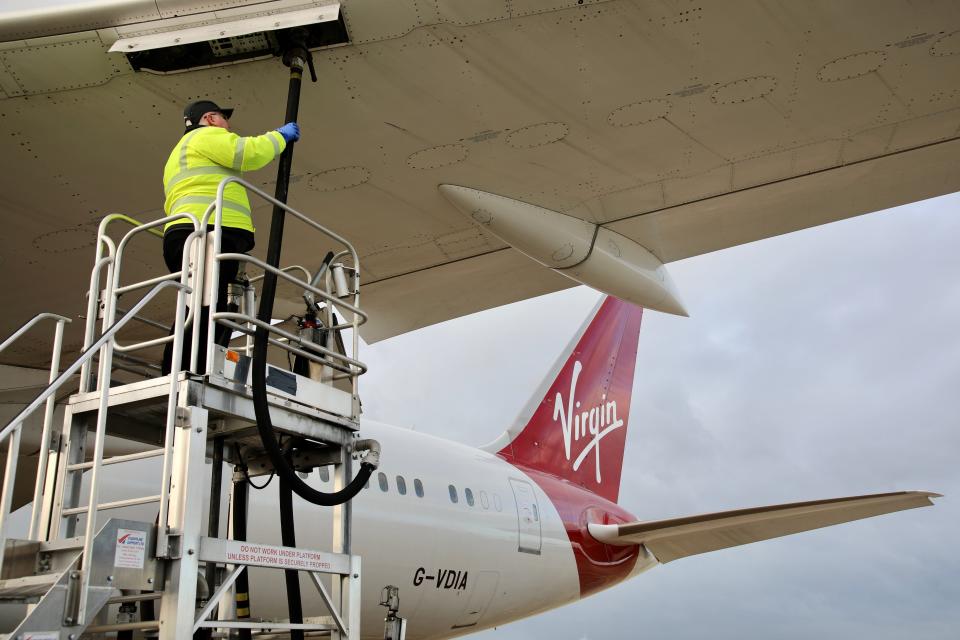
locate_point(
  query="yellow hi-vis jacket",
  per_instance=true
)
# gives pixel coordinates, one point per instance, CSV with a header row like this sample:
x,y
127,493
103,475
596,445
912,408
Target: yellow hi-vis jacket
x,y
202,159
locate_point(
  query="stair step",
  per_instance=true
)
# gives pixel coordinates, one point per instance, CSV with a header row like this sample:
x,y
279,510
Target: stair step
x,y
65,544
27,587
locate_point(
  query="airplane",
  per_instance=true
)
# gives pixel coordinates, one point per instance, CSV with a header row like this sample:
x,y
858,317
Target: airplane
x,y
480,537
537,446
737,406
837,116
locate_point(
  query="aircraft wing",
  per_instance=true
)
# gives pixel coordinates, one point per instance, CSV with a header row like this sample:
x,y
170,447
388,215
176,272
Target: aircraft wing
x,y
687,128
676,538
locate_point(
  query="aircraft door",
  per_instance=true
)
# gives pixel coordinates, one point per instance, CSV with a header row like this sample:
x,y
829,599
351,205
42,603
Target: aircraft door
x,y
528,516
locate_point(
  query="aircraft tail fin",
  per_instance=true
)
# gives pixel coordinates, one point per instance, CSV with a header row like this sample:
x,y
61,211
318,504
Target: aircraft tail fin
x,y
575,426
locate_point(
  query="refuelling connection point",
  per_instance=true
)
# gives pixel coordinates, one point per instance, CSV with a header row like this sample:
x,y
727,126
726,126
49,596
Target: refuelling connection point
x,y
372,447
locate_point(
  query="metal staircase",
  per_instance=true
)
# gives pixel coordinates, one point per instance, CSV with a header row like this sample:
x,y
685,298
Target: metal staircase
x,y
74,567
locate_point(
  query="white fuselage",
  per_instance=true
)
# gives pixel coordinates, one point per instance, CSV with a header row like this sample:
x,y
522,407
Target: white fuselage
x,y
458,567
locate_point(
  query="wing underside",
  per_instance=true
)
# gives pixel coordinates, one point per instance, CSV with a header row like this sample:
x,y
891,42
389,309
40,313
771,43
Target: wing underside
x,y
676,127
676,538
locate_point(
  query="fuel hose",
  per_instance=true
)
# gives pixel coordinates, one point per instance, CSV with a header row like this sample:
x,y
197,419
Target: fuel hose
x,y
295,57
242,584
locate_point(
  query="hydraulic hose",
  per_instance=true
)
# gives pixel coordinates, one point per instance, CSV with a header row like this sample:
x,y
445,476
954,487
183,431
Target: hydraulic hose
x,y
296,57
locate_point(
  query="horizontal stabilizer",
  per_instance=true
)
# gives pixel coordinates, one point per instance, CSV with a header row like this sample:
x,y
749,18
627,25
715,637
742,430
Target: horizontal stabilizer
x,y
676,538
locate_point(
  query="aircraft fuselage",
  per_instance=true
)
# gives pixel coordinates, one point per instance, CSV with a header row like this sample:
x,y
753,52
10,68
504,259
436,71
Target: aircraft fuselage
x,y
505,551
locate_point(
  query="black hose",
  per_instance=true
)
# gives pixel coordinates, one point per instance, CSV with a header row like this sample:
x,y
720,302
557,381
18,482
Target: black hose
x,y
213,523
128,634
289,480
283,468
291,576
242,584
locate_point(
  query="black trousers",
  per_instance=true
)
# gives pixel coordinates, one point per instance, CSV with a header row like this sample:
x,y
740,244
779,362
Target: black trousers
x,y
232,241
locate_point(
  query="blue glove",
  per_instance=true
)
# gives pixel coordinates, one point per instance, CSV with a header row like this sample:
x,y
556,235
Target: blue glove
x,y
290,132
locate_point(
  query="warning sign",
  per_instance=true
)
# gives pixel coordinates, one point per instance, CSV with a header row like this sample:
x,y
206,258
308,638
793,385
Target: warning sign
x,y
263,555
282,558
131,549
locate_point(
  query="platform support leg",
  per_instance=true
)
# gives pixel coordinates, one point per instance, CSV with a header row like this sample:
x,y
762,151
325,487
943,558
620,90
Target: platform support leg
x,y
352,602
178,604
67,491
341,542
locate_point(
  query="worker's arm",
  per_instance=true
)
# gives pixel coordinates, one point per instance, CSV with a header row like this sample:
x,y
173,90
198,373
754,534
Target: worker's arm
x,y
241,153
259,151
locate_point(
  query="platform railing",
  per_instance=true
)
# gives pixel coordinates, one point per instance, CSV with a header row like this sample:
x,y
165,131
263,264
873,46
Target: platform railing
x,y
13,428
13,449
106,251
105,290
349,366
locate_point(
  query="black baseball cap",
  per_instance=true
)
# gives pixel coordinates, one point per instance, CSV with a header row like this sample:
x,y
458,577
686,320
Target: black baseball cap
x,y
195,110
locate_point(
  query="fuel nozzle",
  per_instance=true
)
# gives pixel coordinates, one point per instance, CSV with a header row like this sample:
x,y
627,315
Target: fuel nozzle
x,y
295,51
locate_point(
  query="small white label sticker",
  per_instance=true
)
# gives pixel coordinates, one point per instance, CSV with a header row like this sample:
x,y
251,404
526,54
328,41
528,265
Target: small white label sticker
x,y
42,635
131,549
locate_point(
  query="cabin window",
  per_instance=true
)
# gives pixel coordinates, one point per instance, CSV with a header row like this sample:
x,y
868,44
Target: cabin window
x,y
484,501
536,513
496,503
382,479
325,474
469,496
401,486
418,487
453,494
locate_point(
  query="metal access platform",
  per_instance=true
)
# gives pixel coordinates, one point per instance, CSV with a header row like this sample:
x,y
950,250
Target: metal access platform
x,y
83,575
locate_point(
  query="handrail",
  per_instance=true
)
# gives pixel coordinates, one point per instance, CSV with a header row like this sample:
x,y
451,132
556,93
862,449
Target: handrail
x,y
280,273
316,225
86,355
125,218
358,316
26,326
13,449
147,321
105,242
361,367
116,290
292,267
284,343
93,294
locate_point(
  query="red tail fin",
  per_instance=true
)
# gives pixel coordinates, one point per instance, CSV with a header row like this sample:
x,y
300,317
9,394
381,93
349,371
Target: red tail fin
x,y
576,427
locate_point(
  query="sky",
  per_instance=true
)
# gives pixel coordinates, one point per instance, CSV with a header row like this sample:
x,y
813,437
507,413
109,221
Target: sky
x,y
819,364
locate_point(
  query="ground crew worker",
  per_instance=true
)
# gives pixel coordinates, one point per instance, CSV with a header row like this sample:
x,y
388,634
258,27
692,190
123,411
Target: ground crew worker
x,y
207,153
